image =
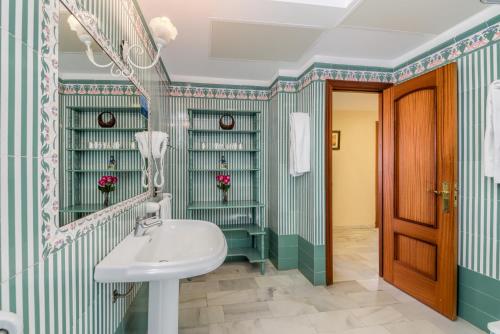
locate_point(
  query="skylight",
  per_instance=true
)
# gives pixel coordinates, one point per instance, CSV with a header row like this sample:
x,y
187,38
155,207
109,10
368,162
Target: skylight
x,y
325,3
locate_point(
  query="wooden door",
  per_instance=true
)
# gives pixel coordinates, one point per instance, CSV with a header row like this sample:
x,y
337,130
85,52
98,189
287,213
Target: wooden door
x,y
420,175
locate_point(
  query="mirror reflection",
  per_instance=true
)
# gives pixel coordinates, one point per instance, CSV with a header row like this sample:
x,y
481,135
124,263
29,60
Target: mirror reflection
x,y
100,114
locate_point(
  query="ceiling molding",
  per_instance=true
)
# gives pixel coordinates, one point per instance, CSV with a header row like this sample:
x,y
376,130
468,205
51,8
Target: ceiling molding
x,y
218,81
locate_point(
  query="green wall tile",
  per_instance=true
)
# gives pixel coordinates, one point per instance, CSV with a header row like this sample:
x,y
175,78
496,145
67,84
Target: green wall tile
x,y
478,298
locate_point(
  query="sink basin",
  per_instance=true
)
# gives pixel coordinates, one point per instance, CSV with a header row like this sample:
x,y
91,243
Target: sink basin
x,y
177,249
165,254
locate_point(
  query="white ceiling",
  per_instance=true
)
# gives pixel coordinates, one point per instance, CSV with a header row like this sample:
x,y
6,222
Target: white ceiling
x,y
252,41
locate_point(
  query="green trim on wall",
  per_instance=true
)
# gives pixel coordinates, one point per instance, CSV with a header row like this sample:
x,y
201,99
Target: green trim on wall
x,y
294,252
312,261
478,298
283,250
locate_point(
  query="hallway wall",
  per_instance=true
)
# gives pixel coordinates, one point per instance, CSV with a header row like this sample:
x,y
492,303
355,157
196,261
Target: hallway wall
x,y
354,165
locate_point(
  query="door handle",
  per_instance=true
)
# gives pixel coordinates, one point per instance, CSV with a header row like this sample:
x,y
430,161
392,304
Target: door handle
x,y
445,196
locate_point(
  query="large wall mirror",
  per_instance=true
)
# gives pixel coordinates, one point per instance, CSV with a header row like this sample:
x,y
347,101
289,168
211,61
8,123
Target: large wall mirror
x,y
100,113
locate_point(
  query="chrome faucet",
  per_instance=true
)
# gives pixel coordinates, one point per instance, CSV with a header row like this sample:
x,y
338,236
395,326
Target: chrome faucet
x,y
142,224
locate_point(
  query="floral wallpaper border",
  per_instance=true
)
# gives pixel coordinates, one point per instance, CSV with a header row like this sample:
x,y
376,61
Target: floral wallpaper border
x,y
77,88
449,53
53,237
286,86
321,72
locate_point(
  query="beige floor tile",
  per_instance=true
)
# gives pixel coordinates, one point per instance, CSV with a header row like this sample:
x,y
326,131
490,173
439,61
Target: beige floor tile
x,y
371,316
198,317
238,284
237,299
334,321
189,318
299,292
246,311
377,284
240,297
413,327
346,287
324,303
193,288
459,326
274,281
195,302
211,315
288,308
415,311
367,330
238,327
197,330
372,298
288,325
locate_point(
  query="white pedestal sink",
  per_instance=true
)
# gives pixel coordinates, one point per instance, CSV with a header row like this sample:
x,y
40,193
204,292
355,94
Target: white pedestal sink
x,y
165,254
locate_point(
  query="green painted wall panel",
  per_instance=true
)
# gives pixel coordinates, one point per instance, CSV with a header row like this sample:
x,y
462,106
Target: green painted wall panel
x,y
478,298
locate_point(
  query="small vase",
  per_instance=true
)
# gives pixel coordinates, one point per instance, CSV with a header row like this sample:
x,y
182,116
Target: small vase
x,y
106,199
224,197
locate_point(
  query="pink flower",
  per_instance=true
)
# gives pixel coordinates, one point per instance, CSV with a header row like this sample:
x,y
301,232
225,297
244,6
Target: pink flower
x,y
102,183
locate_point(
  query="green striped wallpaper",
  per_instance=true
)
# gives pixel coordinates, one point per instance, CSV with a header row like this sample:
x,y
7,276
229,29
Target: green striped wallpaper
x,y
478,206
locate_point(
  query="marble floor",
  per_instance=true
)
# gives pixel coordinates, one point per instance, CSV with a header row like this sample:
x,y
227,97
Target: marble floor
x,y
236,299
355,253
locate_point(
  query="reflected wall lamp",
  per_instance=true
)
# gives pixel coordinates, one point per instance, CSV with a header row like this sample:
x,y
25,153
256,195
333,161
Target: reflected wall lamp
x,y
163,32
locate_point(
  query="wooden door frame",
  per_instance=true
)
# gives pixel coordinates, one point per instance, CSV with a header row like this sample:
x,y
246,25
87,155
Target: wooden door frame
x,y
349,86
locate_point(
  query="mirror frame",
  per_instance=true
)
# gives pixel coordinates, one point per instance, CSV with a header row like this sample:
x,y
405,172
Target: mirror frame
x,y
53,236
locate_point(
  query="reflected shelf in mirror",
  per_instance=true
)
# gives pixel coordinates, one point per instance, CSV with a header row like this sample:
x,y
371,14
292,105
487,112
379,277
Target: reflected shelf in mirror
x,y
99,115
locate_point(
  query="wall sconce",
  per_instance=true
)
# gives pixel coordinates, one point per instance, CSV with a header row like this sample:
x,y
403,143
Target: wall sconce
x,y
163,32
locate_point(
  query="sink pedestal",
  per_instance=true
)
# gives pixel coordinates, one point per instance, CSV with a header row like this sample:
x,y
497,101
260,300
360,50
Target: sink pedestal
x,y
163,316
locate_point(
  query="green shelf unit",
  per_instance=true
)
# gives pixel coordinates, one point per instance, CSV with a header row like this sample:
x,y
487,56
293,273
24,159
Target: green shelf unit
x,y
128,109
251,229
103,149
82,166
195,112
252,254
222,150
219,205
218,170
104,170
234,132
248,204
108,129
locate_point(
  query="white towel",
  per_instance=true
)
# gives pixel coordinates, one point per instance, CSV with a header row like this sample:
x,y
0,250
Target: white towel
x,y
166,206
300,144
492,133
